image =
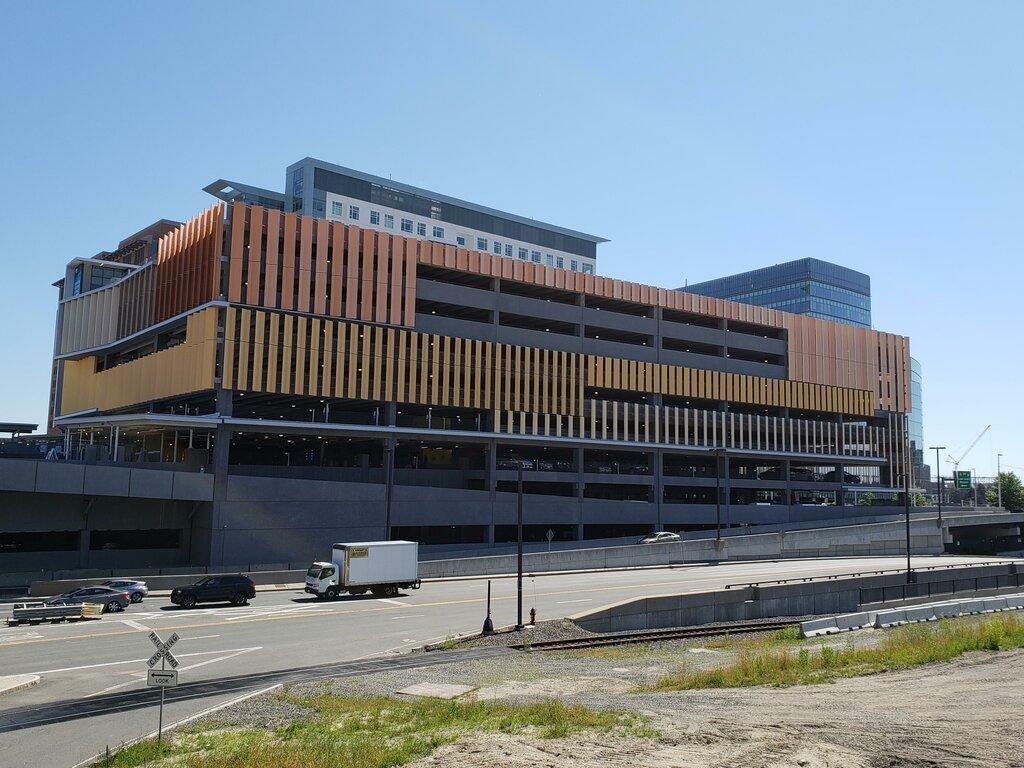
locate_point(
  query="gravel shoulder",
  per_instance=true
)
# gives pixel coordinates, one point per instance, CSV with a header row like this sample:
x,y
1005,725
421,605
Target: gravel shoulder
x,y
961,713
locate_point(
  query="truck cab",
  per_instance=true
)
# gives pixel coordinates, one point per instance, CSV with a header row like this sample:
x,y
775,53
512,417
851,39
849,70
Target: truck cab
x,y
322,580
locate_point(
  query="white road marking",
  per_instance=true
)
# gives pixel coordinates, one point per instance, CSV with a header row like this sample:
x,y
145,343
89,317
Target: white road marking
x,y
239,652
393,602
139,676
21,636
135,625
133,661
408,616
584,600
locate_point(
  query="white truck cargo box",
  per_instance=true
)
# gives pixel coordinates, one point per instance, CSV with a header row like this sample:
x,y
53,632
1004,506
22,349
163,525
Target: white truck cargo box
x,y
377,562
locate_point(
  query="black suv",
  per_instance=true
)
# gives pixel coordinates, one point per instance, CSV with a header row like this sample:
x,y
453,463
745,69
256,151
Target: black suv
x,y
236,589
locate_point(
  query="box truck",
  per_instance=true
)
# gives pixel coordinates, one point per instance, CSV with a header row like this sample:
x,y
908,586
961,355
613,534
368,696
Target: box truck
x,y
380,567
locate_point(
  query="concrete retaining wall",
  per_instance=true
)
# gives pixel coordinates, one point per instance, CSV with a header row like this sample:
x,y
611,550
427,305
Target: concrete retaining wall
x,y
841,595
875,539
844,541
156,583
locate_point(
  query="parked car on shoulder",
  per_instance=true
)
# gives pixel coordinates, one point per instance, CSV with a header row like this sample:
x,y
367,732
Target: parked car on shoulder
x,y
226,588
112,600
136,589
659,538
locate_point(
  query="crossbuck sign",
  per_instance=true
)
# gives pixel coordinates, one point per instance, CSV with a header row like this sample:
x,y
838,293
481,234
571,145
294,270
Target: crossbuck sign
x,y
163,650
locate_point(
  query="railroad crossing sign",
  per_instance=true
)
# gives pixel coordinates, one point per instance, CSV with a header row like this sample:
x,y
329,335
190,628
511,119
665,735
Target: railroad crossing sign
x,y
162,678
962,480
163,650
167,678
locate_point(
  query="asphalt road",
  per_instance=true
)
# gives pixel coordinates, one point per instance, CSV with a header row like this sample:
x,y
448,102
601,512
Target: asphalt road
x,y
289,630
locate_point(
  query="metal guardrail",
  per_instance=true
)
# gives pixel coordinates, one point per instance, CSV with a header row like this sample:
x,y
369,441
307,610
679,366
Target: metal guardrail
x,y
875,595
35,613
833,577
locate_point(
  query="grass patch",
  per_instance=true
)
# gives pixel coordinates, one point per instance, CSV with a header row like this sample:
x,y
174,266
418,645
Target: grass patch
x,y
769,664
375,732
140,753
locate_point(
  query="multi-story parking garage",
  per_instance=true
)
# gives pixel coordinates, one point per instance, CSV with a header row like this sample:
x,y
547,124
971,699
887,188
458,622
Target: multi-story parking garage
x,y
262,383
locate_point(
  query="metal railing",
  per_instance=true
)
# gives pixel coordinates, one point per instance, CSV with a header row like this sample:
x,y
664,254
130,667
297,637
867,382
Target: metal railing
x,y
883,572
896,592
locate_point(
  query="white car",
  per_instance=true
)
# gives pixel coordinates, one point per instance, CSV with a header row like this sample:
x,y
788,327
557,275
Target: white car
x,y
659,538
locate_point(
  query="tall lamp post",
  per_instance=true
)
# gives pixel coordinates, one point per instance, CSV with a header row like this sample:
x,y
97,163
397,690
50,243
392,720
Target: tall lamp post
x,y
999,479
938,477
519,559
906,504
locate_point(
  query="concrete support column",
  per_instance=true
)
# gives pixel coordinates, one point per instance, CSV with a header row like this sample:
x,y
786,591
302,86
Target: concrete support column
x,y
390,445
726,490
789,488
658,466
219,461
495,292
490,483
840,470
84,537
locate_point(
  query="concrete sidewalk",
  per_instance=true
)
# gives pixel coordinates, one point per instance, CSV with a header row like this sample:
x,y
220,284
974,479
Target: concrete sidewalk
x,y
14,683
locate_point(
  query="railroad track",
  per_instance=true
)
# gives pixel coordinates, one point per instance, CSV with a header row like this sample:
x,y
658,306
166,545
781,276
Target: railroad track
x,y
651,635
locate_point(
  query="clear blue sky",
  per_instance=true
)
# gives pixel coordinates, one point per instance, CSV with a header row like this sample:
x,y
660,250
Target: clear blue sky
x,y
702,139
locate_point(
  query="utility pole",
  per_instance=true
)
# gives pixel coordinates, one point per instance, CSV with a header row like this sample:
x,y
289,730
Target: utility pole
x,y
938,478
999,479
519,565
906,506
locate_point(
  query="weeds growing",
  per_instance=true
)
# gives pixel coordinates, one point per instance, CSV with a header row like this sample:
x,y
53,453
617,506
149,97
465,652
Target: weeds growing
x,y
374,732
770,663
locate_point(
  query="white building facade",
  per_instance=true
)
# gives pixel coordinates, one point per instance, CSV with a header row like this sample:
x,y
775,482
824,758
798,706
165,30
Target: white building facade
x,y
332,192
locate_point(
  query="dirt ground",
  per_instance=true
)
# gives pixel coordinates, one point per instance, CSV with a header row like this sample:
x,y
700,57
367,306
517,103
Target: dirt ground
x,y
964,713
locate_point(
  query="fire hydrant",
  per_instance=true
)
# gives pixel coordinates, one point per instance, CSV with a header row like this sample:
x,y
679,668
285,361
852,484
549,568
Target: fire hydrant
x,y
533,616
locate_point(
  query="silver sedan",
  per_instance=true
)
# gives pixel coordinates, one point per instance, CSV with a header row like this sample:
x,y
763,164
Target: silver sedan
x,y
136,589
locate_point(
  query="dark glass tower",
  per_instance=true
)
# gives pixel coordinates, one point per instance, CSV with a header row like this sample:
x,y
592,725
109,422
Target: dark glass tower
x,y
805,287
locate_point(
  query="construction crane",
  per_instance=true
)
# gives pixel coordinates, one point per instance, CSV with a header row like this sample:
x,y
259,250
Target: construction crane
x,y
956,462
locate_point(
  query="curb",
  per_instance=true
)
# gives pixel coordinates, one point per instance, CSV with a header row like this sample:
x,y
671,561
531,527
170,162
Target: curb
x,y
14,683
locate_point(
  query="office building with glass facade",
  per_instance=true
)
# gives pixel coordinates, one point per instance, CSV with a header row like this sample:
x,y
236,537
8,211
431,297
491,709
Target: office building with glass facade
x,y
830,291
805,286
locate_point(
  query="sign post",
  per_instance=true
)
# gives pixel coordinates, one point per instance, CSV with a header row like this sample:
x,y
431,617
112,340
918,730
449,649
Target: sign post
x,y
962,480
550,535
162,678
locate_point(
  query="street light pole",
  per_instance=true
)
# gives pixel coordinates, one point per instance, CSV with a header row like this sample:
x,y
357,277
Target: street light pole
x,y
938,477
906,505
519,565
999,480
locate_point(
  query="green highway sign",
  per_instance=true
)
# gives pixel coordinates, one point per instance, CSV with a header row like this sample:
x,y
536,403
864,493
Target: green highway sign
x,y
962,481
